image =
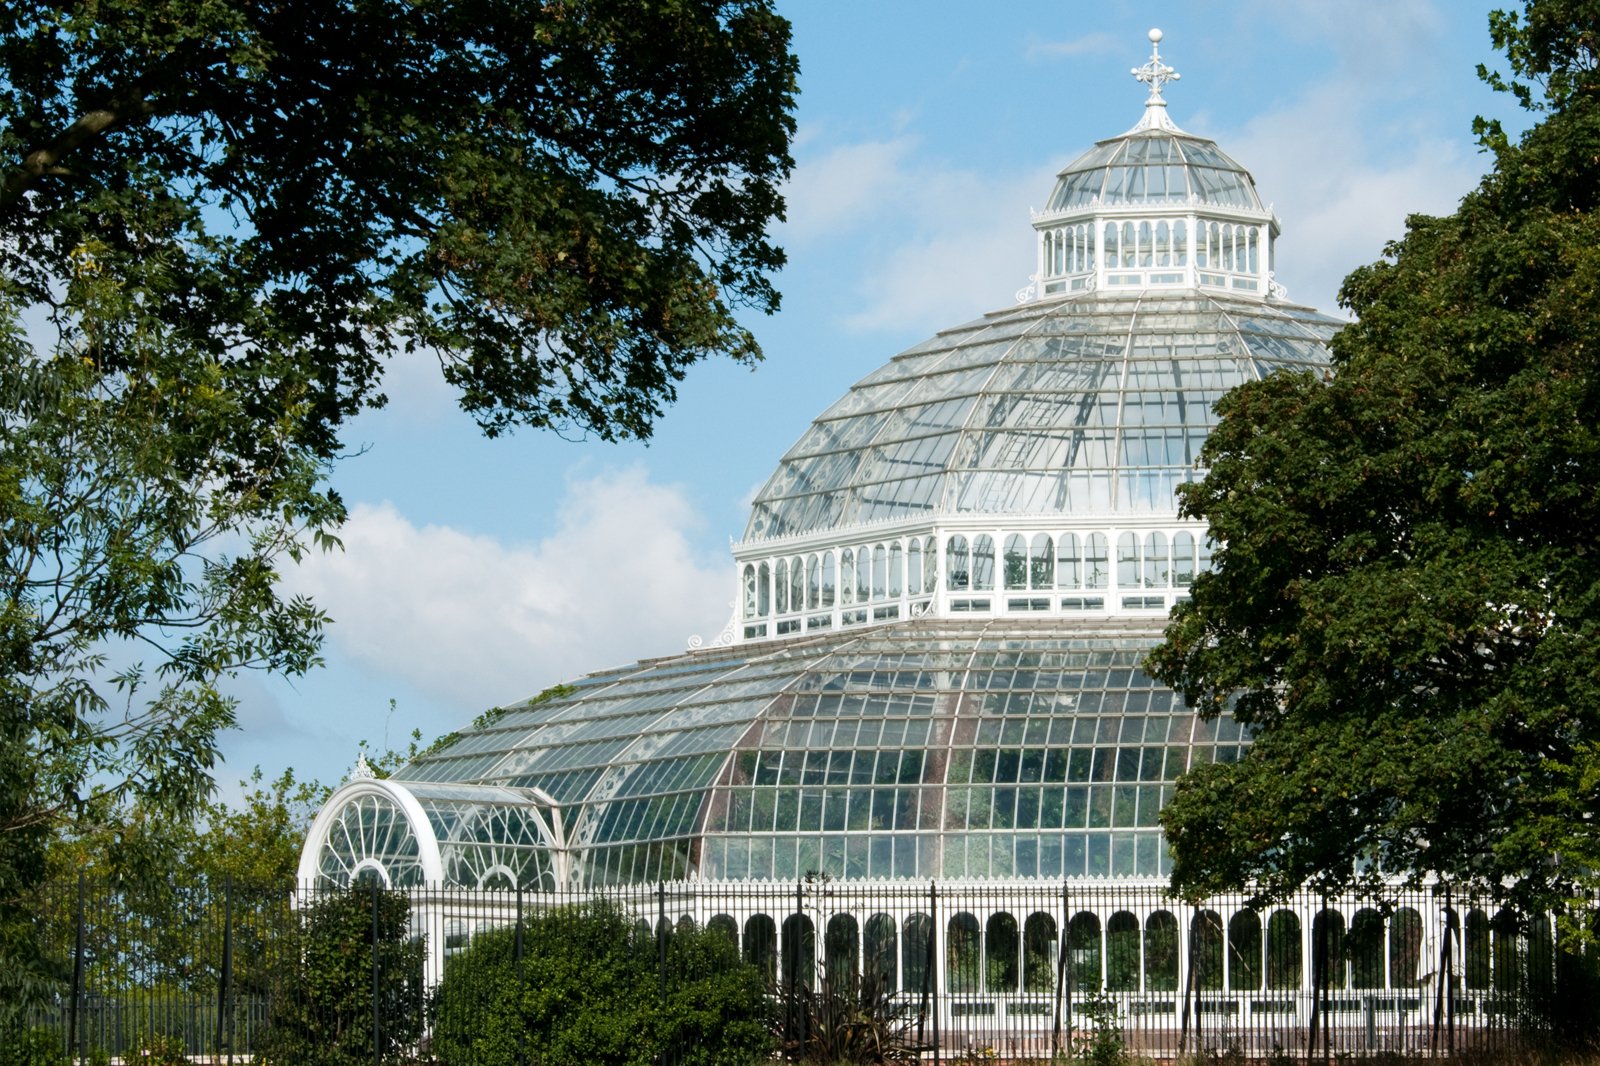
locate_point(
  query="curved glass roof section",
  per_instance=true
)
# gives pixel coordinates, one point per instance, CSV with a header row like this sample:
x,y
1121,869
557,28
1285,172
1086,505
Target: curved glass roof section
x,y
951,748
1094,404
1157,166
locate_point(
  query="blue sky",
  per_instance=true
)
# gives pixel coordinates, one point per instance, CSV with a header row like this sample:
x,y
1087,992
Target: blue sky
x,y
479,572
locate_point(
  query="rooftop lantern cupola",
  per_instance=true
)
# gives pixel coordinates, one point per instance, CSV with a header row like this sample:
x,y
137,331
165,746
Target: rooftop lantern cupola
x,y
1156,208
1025,464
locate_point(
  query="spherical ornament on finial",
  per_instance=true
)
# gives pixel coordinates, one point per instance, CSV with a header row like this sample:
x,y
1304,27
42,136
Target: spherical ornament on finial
x,y
1155,36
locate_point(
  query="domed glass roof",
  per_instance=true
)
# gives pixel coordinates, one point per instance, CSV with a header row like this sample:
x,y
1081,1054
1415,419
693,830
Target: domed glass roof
x,y
1154,166
1095,404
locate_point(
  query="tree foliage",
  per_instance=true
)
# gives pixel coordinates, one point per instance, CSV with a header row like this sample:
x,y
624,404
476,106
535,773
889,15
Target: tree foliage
x,y
1405,604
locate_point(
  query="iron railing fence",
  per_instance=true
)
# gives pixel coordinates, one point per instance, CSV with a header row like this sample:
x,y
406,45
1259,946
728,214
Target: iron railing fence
x,y
1017,971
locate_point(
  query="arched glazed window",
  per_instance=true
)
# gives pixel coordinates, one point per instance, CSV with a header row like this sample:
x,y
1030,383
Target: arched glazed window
x,y
1255,249
749,590
799,951
726,926
863,574
1088,248
914,567
1207,962
982,563
1146,245
829,580
882,953
1366,949
880,571
1244,951
813,582
957,565
847,576
1041,562
1327,945
896,570
1161,952
1128,561
1016,562
1284,966
1039,953
930,564
1083,940
1122,953
1067,562
1508,949
1128,244
781,583
1163,245
1183,559
963,950
1004,945
1180,243
842,950
1096,566
1203,550
1405,948
1111,244
1156,575
761,944
763,590
916,954
797,584
1476,949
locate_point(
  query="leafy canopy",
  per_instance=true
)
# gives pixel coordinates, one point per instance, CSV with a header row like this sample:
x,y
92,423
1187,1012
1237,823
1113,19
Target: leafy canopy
x,y
1406,598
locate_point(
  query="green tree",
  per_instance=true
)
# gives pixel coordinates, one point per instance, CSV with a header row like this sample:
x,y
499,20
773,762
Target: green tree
x,y
220,218
588,988
1405,604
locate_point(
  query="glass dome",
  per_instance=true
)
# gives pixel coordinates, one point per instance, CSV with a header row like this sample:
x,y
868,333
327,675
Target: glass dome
x,y
1089,405
1155,166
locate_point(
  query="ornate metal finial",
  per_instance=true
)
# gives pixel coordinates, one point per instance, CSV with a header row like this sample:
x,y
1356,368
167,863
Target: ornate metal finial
x,y
362,770
1155,73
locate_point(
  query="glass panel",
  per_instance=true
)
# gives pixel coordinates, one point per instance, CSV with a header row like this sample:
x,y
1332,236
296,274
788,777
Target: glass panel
x,y
1283,951
1244,951
847,576
896,570
1156,575
749,590
914,567
930,563
863,575
1161,952
1183,559
982,562
797,584
879,571
763,591
956,564
1003,947
829,580
1128,561
813,582
781,572
1016,562
1041,562
1096,568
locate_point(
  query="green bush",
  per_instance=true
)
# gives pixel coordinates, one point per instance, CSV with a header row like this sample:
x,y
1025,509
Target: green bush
x,y
32,1047
322,1014
588,989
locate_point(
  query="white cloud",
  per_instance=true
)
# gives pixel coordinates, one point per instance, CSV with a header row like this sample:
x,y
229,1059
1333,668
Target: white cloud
x,y
475,622
1088,44
841,187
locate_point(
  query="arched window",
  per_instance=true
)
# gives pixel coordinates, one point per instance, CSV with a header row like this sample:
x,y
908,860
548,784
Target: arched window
x,y
797,584
962,953
1283,951
1146,245
1180,243
1366,949
1067,562
847,576
1122,953
1016,562
1507,953
781,583
880,571
863,574
1183,559
749,590
1000,972
813,582
1083,940
1204,548
1128,561
1206,936
842,950
1128,244
1476,949
829,580
1163,245
1096,566
1244,951
725,925
1405,948
982,563
761,944
764,591
1327,945
1156,575
1255,253
799,951
881,953
1111,244
1039,953
956,563
916,954
930,564
1161,952
1088,248
896,570
914,567
1041,562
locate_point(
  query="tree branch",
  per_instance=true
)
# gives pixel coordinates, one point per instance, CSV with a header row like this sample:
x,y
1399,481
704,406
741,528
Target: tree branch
x,y
45,161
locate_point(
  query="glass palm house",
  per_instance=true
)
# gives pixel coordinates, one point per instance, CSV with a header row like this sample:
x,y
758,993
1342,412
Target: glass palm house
x,y
944,594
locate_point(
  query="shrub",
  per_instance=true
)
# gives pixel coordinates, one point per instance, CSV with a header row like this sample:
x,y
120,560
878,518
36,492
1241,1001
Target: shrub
x,y
32,1047
322,1014
588,988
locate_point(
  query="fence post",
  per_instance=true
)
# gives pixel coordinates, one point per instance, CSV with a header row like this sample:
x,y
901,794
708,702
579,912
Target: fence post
x,y
1063,946
77,976
225,982
1188,983
661,938
522,1030
377,1020
930,972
